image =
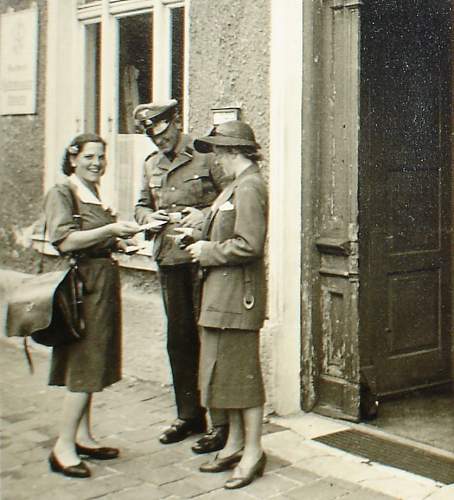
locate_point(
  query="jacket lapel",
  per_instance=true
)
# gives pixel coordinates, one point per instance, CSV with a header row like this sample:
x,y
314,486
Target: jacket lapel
x,y
220,200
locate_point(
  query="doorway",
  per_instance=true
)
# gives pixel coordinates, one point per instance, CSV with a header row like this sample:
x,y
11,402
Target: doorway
x,y
406,206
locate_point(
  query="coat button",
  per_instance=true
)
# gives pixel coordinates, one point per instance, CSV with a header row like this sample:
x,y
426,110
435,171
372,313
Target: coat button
x,y
196,176
172,188
174,205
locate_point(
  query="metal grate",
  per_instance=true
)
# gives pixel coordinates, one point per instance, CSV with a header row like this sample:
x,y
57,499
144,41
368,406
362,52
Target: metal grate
x,y
388,452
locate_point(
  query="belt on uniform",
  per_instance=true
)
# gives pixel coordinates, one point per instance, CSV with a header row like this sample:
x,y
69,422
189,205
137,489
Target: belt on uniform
x,y
202,273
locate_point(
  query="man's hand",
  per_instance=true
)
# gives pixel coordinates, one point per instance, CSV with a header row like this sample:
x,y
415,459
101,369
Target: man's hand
x,y
184,236
193,217
156,221
196,250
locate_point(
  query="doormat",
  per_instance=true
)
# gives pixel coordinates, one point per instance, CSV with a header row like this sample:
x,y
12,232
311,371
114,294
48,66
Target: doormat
x,y
388,452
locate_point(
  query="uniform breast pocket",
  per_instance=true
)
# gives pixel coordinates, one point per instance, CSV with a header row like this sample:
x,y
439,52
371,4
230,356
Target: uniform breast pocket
x,y
197,184
155,182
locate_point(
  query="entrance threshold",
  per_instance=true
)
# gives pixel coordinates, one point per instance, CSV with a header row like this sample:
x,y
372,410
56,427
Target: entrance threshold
x,y
423,416
377,446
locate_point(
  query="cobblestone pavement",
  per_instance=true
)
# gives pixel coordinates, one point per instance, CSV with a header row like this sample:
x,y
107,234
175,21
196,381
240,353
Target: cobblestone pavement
x,y
132,414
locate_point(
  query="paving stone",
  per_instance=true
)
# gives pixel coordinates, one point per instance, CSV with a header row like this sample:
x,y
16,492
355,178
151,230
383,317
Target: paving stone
x,y
100,486
271,485
167,474
142,492
274,463
400,485
185,488
34,436
324,489
224,494
209,481
366,494
291,447
298,474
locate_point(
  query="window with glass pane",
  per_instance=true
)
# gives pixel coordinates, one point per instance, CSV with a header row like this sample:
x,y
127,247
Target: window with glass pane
x,y
92,77
177,60
135,67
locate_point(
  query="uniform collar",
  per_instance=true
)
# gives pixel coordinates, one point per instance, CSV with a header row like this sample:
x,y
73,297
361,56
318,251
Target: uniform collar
x,y
183,154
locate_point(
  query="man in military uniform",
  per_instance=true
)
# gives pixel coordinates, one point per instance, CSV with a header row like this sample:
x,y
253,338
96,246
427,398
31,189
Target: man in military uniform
x,y
179,186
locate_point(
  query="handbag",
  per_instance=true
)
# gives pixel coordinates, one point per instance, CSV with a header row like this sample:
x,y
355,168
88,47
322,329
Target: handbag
x,y
48,307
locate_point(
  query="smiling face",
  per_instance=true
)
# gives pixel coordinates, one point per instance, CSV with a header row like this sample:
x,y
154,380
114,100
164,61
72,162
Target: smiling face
x,y
90,162
168,140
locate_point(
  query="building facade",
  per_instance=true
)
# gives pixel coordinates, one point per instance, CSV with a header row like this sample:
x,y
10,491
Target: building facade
x,y
351,102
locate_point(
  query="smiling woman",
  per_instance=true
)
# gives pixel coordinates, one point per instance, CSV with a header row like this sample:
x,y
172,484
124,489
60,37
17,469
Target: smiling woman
x,y
90,164
94,362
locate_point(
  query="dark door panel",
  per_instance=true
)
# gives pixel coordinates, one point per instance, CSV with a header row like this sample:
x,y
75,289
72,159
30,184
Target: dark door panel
x,y
405,192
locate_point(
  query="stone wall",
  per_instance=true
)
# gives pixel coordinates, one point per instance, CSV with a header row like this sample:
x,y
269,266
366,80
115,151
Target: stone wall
x,y
21,162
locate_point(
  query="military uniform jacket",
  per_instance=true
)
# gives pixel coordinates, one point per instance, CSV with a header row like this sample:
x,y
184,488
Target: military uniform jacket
x,y
234,289
190,180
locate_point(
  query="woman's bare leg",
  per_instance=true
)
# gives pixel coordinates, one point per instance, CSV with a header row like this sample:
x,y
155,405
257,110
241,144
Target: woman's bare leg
x,y
253,424
74,406
84,435
235,440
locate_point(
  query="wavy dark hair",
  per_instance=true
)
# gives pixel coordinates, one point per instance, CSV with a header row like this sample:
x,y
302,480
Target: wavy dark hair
x,y
77,144
249,152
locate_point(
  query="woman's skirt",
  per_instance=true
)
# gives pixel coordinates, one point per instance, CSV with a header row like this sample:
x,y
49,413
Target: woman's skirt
x,y
230,375
94,362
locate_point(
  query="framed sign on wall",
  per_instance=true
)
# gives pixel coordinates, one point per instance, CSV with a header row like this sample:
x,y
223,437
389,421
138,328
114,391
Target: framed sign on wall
x,y
18,61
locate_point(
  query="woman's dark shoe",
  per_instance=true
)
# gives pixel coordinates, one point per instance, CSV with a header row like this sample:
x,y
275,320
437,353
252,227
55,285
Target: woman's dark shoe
x,y
222,464
79,470
256,470
101,453
212,441
181,429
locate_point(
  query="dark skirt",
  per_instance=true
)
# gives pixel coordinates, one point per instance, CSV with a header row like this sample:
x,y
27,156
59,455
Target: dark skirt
x,y
94,362
230,375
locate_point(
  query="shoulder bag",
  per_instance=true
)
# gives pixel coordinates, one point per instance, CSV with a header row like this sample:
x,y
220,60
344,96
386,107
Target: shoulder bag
x,y
48,307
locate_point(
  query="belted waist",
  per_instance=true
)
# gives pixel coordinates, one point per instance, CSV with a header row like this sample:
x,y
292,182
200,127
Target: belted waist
x,y
95,254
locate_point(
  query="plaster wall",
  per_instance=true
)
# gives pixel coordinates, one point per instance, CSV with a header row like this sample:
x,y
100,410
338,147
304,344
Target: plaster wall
x,y
229,60
21,162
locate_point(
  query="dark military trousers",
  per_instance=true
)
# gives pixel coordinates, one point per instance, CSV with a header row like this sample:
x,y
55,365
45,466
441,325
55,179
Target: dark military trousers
x,y
180,287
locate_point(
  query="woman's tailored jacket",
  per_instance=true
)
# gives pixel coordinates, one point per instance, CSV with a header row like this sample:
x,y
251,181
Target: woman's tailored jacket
x,y
234,289
190,180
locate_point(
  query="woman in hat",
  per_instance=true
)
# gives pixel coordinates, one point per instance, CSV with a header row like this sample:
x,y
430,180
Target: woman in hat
x,y
94,362
231,256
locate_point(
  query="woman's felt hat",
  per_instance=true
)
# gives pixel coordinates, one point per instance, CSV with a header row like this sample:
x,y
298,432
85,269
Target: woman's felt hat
x,y
231,133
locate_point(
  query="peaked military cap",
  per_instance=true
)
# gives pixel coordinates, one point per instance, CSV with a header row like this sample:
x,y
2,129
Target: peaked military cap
x,y
154,117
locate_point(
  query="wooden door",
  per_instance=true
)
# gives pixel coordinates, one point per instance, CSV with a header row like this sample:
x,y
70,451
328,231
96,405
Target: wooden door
x,y
405,211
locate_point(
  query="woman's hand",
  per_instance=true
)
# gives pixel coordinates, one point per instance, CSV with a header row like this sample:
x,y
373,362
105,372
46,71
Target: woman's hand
x,y
195,250
124,229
